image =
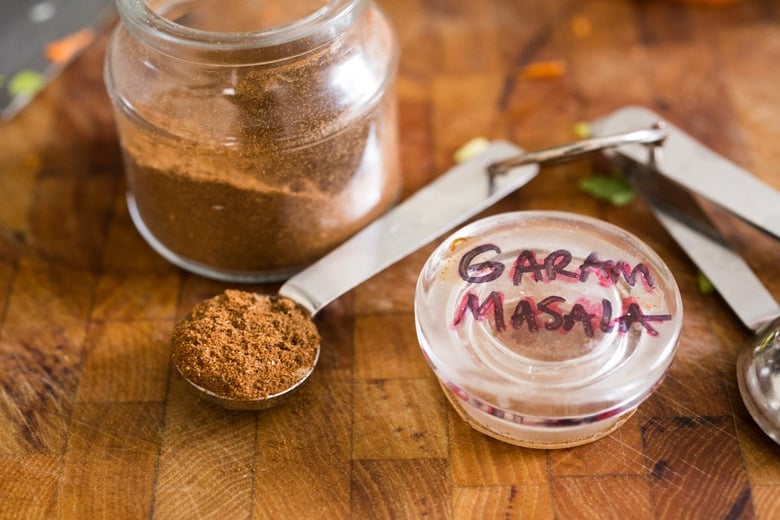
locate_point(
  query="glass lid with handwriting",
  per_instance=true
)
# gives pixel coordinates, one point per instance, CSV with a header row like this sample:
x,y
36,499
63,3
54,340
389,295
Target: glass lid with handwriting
x,y
547,329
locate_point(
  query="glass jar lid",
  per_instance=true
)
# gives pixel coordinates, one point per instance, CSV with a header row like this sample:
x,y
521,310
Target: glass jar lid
x,y
547,318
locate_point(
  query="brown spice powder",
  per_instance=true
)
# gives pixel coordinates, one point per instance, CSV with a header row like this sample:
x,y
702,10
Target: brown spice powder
x,y
241,345
264,210
262,168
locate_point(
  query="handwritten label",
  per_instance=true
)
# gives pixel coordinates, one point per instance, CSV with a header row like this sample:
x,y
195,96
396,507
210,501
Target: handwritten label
x,y
554,312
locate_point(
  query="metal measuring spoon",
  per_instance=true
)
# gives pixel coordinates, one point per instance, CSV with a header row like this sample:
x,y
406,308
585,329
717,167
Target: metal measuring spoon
x,y
666,184
452,198
758,375
758,367
244,350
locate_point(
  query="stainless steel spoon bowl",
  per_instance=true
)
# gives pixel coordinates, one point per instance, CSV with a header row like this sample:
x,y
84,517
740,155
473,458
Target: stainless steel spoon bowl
x,y
251,404
758,374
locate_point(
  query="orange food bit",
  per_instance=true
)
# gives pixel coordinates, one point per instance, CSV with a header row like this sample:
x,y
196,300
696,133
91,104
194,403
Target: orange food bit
x,y
457,242
62,50
544,69
581,26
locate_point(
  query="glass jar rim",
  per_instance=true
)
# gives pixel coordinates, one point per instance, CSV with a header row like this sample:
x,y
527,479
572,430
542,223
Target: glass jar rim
x,y
281,41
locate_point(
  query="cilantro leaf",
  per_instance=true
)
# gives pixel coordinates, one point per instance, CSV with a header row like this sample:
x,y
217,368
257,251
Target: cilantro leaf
x,y
614,189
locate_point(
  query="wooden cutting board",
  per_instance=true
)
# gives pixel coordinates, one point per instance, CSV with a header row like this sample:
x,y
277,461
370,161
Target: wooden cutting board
x,y
94,423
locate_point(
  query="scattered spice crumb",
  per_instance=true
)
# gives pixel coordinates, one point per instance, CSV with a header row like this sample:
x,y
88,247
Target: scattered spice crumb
x,y
457,242
241,345
581,26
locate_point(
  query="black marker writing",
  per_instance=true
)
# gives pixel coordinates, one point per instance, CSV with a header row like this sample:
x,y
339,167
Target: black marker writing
x,y
553,266
527,313
470,302
492,270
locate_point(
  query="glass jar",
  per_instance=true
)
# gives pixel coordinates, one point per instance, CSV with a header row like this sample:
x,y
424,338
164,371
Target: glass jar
x,y
257,135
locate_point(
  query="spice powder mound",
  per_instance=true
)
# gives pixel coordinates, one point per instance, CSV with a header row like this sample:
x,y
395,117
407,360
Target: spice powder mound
x,y
241,345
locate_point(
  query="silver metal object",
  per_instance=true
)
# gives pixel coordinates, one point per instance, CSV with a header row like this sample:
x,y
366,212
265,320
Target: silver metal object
x,y
758,366
449,200
655,134
700,169
456,196
679,213
758,375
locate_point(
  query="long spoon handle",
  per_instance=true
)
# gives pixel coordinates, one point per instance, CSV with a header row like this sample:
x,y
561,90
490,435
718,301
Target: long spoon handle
x,y
452,198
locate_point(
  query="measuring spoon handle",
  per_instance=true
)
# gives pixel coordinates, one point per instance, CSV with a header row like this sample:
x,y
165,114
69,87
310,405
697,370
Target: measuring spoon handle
x,y
455,196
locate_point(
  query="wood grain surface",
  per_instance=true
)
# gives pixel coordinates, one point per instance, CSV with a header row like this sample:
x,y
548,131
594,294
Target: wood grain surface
x,y
94,423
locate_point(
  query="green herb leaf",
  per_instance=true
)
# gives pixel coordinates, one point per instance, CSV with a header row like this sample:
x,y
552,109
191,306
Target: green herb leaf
x,y
614,189
25,82
705,285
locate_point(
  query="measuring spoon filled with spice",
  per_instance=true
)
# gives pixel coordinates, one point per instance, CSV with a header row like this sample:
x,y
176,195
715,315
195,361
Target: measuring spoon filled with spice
x,y
248,351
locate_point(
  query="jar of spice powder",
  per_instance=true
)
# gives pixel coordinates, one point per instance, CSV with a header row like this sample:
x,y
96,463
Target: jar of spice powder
x,y
257,134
